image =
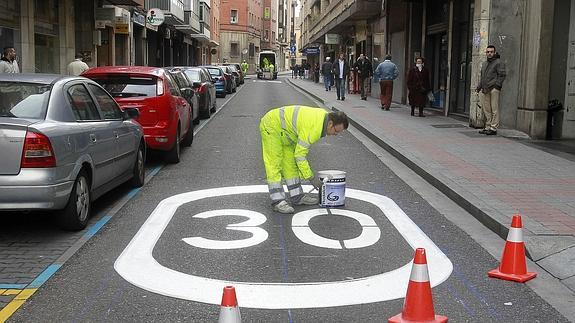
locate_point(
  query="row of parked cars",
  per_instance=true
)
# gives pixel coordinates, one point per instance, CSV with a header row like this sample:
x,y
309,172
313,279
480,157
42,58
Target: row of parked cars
x,y
65,141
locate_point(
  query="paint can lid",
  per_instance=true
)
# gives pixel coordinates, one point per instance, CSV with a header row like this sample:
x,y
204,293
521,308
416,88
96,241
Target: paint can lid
x,y
331,174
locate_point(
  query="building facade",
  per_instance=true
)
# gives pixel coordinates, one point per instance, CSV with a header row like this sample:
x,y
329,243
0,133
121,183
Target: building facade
x,y
241,23
48,33
531,37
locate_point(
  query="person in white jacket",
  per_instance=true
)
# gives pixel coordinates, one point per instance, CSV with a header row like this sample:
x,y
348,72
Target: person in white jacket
x,y
77,66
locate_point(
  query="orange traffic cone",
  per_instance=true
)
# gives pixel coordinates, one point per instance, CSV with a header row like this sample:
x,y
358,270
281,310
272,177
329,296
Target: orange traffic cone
x,y
229,311
418,304
513,266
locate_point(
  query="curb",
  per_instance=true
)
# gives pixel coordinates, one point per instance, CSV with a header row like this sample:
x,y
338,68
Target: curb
x,y
498,228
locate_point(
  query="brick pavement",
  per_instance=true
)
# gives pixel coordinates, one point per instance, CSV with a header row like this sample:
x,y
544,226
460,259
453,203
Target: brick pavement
x,y
492,177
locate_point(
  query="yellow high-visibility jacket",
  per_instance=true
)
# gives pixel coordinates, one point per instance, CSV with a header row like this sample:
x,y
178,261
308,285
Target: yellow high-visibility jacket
x,y
300,127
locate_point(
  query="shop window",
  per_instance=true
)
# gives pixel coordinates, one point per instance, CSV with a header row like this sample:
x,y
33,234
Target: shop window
x,y
234,16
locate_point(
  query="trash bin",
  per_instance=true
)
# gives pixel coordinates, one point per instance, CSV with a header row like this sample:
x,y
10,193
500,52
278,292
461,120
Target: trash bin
x,y
554,116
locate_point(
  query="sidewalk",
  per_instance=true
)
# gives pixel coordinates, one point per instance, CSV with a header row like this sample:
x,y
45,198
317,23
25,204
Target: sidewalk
x,y
492,177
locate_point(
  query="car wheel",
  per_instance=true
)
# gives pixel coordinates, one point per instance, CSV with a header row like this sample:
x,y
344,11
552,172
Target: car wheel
x,y
213,107
207,111
174,153
139,172
189,138
75,215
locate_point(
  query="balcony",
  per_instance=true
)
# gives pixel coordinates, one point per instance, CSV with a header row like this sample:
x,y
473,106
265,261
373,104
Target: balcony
x,y
339,16
191,23
204,35
173,10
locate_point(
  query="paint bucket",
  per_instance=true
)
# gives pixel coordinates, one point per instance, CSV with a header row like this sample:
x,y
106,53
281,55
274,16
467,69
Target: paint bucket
x,y
332,192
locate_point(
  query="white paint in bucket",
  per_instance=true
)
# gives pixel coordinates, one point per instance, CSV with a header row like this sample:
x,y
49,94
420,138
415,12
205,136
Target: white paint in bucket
x,y
332,192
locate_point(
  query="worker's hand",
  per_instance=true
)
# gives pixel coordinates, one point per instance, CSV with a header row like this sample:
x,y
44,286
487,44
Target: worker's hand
x,y
316,182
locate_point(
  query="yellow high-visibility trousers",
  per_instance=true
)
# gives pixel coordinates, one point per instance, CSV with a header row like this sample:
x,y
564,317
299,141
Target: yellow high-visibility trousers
x,y
279,162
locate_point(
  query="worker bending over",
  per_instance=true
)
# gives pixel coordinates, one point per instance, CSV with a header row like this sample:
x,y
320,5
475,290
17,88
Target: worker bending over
x,y
287,134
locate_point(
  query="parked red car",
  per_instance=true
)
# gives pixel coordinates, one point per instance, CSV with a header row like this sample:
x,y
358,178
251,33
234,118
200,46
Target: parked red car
x,y
165,115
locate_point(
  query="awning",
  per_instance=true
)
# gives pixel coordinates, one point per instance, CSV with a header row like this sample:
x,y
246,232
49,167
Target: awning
x,y
214,43
201,38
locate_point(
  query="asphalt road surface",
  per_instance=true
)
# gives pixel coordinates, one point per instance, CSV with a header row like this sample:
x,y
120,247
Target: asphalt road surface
x,y
206,222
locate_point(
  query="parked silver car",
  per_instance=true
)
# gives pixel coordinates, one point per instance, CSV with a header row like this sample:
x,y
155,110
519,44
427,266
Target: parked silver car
x,y
64,142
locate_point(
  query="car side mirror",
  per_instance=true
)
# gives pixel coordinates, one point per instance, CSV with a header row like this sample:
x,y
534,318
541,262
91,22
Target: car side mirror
x,y
196,85
131,113
187,92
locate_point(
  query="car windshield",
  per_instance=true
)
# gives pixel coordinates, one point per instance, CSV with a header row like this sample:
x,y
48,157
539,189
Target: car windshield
x,y
24,100
128,86
194,75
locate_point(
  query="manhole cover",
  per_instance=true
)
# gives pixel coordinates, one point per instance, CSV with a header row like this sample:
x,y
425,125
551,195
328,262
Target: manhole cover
x,y
449,125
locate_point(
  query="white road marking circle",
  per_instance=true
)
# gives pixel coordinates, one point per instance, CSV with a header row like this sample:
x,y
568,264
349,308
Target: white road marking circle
x,y
137,265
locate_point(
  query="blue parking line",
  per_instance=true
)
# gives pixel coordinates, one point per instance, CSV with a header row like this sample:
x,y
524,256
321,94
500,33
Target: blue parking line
x,y
133,192
97,226
154,171
12,286
44,276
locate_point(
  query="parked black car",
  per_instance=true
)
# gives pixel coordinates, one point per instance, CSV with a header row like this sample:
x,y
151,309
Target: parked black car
x,y
237,68
203,84
230,78
186,88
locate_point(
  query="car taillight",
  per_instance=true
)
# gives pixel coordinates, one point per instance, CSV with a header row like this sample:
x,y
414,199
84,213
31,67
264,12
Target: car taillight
x,y
160,87
37,152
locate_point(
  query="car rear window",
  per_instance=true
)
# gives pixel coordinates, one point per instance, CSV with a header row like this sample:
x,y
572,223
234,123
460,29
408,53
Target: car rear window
x,y
194,75
214,71
128,86
24,100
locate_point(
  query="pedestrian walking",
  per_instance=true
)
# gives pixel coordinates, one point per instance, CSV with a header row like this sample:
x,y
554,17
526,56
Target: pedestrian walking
x,y
316,73
386,72
287,134
77,66
8,62
419,86
363,68
301,71
492,76
326,68
340,72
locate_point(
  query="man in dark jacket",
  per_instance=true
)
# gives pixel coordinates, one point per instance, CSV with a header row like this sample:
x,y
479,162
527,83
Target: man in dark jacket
x,y
340,72
364,71
326,72
492,77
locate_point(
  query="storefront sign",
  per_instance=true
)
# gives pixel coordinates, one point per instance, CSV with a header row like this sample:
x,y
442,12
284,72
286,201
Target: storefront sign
x,y
122,25
155,17
139,19
332,39
122,29
312,51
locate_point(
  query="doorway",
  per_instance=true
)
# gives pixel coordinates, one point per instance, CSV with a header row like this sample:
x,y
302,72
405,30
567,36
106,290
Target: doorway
x,y
437,62
462,49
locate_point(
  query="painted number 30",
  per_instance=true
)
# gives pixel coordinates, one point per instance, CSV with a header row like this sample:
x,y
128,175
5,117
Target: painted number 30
x,y
370,232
